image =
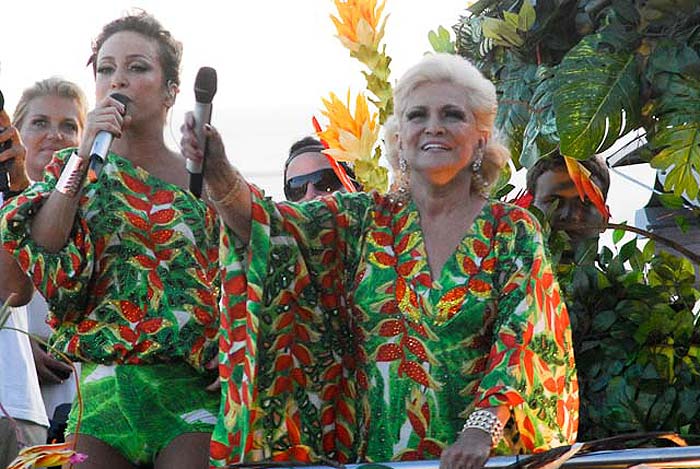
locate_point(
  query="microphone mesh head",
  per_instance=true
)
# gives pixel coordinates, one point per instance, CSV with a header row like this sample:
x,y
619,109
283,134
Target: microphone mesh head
x,y
121,98
205,85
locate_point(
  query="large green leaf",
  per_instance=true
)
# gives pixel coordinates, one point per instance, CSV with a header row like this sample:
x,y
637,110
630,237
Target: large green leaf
x,y
673,73
510,31
514,86
667,12
680,157
540,137
597,95
503,33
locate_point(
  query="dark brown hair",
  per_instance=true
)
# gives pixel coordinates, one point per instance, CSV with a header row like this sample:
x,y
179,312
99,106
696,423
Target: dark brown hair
x,y
599,172
146,25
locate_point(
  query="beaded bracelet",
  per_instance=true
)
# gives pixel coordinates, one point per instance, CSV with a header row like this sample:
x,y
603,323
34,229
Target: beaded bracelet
x,y
72,175
487,422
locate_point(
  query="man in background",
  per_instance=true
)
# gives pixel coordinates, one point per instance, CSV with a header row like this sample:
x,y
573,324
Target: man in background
x,y
308,173
549,182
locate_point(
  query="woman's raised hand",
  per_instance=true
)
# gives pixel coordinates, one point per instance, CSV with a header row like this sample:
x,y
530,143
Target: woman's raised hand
x,y
109,116
226,188
218,172
16,153
216,153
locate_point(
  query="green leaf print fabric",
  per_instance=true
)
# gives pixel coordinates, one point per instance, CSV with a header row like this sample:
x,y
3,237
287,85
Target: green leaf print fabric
x,y
138,280
336,342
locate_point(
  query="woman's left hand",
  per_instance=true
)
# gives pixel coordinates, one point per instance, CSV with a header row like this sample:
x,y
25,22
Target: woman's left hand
x,y
470,451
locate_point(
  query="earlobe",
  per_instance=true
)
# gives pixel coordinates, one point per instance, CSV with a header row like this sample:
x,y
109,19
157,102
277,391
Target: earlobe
x,y
170,94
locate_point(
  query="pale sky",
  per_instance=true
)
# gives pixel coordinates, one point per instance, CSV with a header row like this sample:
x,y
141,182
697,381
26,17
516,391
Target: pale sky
x,y
275,60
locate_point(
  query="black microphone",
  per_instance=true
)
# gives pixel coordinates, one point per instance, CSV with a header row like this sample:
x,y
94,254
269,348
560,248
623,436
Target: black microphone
x,y
204,91
100,147
5,165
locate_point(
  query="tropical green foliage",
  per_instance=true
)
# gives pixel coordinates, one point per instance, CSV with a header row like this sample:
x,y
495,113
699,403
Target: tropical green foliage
x,y
441,41
575,75
636,338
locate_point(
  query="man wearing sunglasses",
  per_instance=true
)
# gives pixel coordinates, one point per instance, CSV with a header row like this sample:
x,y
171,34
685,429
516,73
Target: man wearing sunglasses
x,y
308,174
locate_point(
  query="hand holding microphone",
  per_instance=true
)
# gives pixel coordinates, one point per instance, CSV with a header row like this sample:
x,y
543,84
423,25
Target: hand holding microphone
x,y
204,91
13,177
102,142
103,124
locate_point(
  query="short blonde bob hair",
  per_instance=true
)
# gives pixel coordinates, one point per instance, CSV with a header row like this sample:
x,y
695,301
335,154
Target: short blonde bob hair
x,y
54,86
479,93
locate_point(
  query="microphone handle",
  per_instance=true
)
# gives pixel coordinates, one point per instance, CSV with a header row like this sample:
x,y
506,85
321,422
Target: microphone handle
x,y
98,153
202,115
101,144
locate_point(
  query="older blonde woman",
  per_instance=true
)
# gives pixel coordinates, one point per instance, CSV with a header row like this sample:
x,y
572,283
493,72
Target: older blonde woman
x,y
422,324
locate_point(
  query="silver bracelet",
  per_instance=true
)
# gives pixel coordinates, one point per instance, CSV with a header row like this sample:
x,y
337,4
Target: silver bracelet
x,y
71,179
488,422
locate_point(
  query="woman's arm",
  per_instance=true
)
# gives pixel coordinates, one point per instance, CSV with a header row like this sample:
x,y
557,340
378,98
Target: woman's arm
x,y
53,223
227,189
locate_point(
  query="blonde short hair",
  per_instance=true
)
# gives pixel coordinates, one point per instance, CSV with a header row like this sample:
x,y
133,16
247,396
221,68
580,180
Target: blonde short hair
x,y
479,92
391,150
54,86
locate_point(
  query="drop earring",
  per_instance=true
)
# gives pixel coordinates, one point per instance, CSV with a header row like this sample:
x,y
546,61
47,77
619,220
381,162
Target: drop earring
x,y
402,181
481,185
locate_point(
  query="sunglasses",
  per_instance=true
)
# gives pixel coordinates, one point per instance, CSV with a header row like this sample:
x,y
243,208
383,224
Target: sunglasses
x,y
324,180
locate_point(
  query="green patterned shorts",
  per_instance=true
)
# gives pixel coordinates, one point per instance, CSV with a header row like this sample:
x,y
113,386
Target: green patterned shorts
x,y
140,409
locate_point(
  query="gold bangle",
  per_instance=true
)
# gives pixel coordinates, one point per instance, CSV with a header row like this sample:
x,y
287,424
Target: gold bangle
x,y
230,195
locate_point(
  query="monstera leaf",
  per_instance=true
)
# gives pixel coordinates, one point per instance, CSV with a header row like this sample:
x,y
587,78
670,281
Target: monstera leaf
x,y
540,137
596,98
673,72
514,86
470,42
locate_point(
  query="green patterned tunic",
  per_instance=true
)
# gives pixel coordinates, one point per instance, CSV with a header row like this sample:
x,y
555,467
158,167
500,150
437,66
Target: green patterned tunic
x,y
338,343
137,281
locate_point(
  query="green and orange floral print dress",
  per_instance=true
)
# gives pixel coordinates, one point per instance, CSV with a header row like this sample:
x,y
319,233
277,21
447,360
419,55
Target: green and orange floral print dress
x,y
336,342
138,281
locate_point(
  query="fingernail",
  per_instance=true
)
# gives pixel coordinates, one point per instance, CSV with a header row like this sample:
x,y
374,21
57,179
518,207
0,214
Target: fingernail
x,y
207,126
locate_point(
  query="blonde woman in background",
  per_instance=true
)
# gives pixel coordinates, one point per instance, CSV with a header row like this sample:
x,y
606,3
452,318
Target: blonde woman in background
x,y
49,116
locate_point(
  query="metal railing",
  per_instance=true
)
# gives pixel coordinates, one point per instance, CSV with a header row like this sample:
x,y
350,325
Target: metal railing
x,y
676,457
